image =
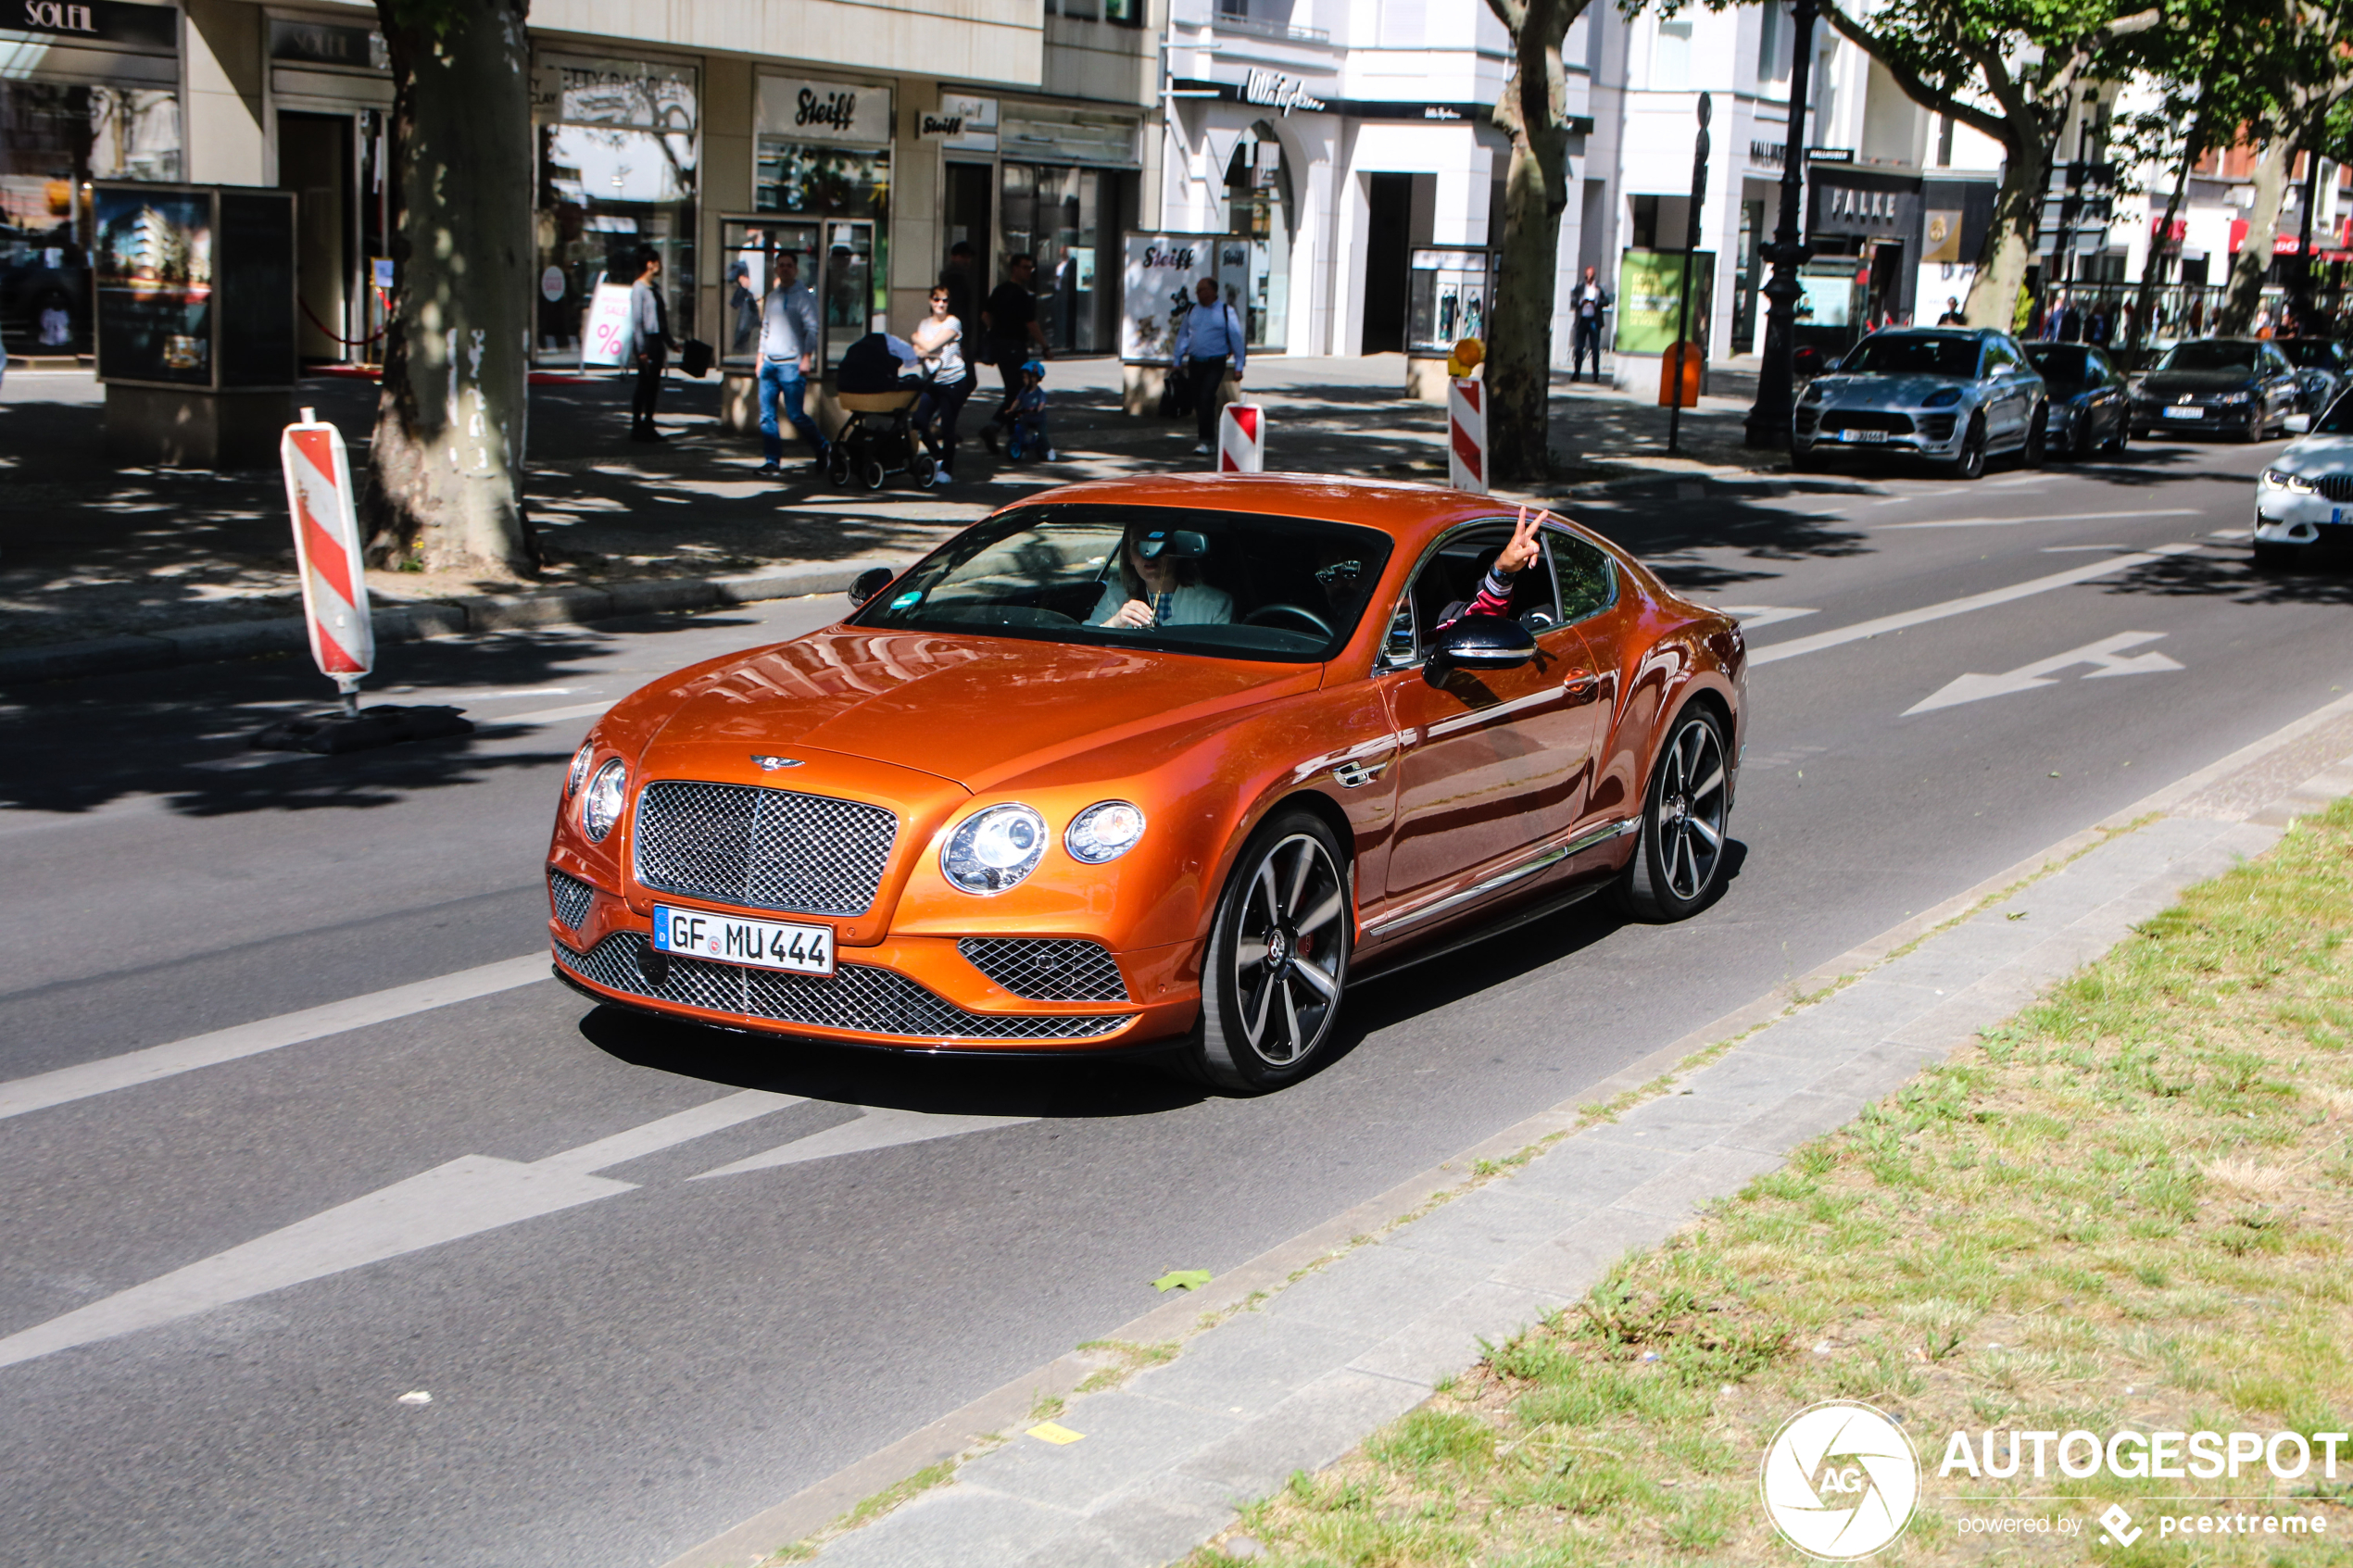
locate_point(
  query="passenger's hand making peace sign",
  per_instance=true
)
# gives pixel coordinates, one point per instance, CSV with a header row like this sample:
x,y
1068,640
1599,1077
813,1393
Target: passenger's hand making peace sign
x,y
1525,547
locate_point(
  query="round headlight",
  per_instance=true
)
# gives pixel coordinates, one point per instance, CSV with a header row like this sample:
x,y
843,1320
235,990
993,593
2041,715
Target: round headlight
x,y
994,849
579,773
600,807
1105,831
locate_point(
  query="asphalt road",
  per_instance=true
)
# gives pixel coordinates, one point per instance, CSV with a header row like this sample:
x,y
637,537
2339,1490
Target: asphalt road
x,y
624,1358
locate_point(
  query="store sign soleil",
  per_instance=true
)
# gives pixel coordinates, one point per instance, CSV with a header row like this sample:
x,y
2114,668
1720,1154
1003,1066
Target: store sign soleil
x,y
94,22
823,111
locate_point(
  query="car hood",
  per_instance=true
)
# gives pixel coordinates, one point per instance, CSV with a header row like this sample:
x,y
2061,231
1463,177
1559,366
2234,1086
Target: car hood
x,y
2196,380
1884,391
2318,454
973,710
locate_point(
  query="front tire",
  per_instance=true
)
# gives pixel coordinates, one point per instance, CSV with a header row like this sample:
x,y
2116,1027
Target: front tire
x,y
1971,461
1276,961
2031,454
1680,856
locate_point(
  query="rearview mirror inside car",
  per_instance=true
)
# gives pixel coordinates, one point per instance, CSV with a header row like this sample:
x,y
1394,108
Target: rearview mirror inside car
x,y
871,580
1173,543
1479,642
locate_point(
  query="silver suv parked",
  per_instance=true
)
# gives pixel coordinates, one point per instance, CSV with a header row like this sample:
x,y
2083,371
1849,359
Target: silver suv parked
x,y
1954,396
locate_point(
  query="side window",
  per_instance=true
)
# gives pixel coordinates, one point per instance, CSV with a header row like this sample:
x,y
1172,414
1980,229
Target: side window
x,y
1588,577
1998,357
1451,578
1399,645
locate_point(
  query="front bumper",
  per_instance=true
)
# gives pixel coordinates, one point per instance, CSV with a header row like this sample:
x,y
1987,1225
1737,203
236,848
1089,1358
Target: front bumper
x,y
1932,432
926,993
2284,516
2213,419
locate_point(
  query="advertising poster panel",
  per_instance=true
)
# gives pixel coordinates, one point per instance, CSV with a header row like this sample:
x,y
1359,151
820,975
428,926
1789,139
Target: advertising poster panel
x,y
154,271
1649,287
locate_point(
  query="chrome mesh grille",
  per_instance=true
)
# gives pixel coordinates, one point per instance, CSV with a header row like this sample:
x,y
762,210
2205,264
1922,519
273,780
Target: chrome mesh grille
x,y
569,897
762,848
859,996
1868,419
1047,969
2335,486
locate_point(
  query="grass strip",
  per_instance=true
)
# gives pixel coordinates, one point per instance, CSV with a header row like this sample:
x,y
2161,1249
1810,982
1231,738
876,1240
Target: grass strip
x,y
2130,1206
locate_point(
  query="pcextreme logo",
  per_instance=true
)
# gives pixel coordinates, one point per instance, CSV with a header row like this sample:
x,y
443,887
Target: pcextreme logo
x,y
1840,1480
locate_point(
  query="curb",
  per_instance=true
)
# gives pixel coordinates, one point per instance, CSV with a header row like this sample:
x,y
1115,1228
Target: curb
x,y
429,618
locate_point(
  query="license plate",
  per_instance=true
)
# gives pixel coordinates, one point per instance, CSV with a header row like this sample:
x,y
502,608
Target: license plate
x,y
2177,412
1862,435
762,943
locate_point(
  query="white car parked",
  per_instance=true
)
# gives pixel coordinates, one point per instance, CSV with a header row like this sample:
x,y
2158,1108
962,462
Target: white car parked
x,y
2304,498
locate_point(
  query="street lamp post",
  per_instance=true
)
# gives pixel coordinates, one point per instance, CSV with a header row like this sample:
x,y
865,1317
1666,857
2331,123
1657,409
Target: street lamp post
x,y
1768,421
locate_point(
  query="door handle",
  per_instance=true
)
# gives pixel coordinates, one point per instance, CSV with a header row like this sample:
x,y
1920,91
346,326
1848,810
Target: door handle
x,y
1580,685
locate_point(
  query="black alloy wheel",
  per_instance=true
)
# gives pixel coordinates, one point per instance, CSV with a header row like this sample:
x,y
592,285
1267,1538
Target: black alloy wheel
x,y
2254,431
1277,960
2030,451
1971,461
1680,856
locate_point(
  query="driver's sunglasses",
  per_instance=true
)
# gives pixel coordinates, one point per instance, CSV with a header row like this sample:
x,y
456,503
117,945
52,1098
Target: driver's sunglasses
x,y
1339,571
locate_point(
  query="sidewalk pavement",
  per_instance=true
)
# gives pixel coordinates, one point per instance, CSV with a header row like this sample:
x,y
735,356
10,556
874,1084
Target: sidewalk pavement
x,y
104,569
1291,1361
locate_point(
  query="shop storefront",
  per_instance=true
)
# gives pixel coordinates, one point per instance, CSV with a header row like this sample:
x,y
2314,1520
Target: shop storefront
x,y
1876,219
618,144
88,91
821,186
1066,191
330,98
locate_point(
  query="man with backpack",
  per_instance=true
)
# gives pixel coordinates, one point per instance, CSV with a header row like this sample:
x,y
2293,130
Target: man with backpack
x,y
1209,339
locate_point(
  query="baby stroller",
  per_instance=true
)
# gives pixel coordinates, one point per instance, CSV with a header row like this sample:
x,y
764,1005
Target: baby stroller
x,y
879,384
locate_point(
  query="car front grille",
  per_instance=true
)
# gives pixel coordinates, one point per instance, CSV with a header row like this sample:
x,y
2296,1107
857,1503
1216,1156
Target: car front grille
x,y
1938,427
1866,419
762,848
570,896
1042,968
859,996
2335,486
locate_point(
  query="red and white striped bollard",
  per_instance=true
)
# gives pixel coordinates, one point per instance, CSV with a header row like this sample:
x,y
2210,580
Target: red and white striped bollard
x,y
326,531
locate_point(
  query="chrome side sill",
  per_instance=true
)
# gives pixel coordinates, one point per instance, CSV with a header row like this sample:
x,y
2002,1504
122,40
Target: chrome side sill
x,y
1540,860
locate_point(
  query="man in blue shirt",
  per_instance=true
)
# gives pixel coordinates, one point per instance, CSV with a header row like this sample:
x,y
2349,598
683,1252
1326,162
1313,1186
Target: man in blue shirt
x,y
1210,335
787,352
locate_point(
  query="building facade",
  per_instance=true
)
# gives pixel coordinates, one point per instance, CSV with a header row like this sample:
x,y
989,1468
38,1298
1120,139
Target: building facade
x,y
866,136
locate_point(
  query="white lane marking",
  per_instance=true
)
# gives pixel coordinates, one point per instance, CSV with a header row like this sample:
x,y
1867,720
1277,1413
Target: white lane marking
x,y
555,715
1751,617
1862,630
43,1091
1919,495
469,1194
2231,533
879,1127
2055,516
2106,656
2079,549
2019,480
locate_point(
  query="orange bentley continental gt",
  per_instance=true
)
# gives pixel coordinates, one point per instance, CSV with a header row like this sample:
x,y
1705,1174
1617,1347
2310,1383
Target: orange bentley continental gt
x,y
1158,764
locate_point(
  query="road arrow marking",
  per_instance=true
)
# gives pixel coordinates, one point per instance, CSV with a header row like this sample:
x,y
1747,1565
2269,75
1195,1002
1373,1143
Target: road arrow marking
x,y
2016,521
877,1128
466,1197
2106,656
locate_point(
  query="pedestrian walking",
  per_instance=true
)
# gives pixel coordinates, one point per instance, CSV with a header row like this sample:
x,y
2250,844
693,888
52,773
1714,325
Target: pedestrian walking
x,y
1952,317
649,324
788,340
939,344
1587,306
957,278
1211,347
1014,338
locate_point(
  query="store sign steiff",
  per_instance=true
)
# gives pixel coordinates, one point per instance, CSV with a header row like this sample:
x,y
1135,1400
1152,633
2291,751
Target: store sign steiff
x,y
1276,91
960,122
823,111
94,22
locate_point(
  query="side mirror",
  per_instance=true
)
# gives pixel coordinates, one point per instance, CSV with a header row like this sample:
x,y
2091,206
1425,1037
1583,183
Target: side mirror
x,y
2298,424
871,580
1479,642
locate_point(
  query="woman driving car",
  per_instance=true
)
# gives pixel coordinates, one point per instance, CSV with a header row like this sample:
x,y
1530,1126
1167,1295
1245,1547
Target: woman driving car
x,y
1159,585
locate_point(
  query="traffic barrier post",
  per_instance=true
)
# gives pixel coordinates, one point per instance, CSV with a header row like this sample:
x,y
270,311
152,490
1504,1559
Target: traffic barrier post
x,y
326,531
1241,439
1466,435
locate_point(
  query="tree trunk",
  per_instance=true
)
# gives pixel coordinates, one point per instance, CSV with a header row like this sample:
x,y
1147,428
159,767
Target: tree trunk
x,y
2010,240
1519,343
2153,267
2254,260
447,487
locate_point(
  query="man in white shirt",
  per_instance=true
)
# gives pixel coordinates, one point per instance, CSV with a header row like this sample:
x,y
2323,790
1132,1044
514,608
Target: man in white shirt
x,y
1210,336
789,340
1587,306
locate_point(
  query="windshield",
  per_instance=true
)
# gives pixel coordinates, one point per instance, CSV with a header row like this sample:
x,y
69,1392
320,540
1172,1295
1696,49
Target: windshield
x,y
2209,354
2061,364
2338,420
1913,354
2310,352
1222,585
